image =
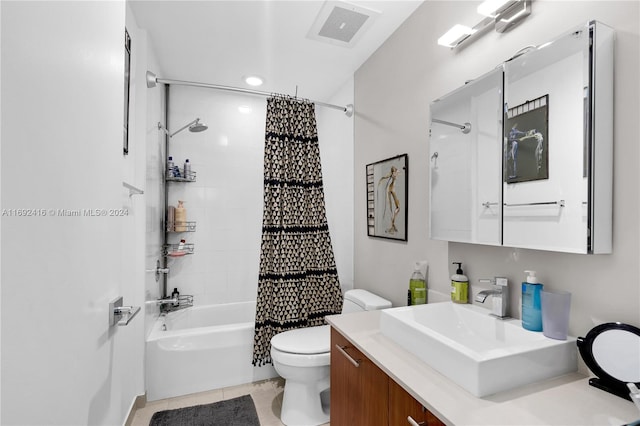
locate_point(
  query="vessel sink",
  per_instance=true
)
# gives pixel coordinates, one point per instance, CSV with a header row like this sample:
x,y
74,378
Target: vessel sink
x,y
481,353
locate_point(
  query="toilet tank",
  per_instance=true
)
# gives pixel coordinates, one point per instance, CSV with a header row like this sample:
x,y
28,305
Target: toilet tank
x,y
358,300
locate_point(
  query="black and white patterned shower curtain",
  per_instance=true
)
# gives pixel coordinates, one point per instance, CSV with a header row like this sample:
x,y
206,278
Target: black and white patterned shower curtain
x,y
298,283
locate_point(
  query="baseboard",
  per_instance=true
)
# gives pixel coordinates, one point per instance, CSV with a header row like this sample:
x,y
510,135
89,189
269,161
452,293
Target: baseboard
x,y
139,402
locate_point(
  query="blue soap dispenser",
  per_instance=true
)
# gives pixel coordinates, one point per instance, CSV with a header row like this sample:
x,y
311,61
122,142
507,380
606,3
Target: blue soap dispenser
x,y
531,303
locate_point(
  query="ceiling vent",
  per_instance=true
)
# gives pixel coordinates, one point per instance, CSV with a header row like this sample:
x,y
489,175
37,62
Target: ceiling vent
x,y
341,23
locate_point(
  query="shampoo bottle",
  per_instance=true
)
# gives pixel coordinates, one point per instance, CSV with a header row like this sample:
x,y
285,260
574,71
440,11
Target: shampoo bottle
x,y
170,166
418,285
171,218
459,286
176,297
186,172
531,303
180,217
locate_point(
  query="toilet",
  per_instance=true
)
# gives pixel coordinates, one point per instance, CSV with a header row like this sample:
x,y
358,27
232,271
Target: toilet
x,y
302,358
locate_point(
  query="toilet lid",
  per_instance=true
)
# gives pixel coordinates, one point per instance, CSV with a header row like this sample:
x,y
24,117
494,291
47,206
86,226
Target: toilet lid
x,y
311,340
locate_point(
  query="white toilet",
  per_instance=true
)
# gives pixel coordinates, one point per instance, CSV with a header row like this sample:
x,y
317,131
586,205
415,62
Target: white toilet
x,y
302,356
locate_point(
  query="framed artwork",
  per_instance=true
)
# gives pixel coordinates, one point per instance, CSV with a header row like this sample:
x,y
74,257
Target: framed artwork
x,y
387,197
526,142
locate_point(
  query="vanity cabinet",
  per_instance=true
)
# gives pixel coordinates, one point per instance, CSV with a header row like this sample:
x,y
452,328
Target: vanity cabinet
x,y
359,389
363,395
402,406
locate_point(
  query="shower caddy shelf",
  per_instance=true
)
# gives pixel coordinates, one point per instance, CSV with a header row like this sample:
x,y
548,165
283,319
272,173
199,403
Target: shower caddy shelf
x,y
189,226
173,250
190,176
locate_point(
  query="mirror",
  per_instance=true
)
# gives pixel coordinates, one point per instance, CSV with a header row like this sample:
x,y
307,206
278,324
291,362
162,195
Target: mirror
x,y
465,163
534,169
612,353
554,100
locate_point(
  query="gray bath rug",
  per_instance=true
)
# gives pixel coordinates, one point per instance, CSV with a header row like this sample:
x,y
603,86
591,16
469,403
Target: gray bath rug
x,y
232,412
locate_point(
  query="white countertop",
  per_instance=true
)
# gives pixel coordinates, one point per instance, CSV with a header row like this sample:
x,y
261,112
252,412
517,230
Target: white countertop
x,y
565,400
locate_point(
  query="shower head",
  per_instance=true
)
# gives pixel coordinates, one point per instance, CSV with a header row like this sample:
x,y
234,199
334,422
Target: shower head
x,y
198,127
194,126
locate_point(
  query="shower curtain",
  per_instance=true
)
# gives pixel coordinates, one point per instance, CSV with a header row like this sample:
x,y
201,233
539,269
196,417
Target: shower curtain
x,y
298,282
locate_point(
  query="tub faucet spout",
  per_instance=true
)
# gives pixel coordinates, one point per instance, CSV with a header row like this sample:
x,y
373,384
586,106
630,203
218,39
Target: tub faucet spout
x,y
500,294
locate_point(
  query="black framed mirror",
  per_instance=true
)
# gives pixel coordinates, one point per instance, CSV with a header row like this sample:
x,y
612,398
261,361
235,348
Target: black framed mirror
x,y
612,352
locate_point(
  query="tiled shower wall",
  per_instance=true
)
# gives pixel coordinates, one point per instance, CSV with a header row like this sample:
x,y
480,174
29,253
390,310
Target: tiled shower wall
x,y
226,199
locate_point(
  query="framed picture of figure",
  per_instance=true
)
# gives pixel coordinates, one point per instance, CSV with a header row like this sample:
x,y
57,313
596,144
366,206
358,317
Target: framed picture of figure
x,y
526,144
387,198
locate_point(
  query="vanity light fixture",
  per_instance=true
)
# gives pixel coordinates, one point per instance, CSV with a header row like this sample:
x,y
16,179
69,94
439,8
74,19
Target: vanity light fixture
x,y
503,14
492,8
456,35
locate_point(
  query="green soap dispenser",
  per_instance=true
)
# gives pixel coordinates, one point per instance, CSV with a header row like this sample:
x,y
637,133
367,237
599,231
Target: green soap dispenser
x,y
459,285
418,285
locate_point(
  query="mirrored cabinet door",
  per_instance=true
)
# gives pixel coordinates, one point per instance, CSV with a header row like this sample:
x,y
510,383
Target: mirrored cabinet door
x,y
465,162
558,144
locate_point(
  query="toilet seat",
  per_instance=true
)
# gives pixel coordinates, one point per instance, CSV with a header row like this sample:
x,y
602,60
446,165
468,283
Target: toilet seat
x,y
306,341
300,360
303,347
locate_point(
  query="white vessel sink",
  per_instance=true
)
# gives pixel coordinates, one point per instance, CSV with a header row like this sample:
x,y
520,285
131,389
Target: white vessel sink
x,y
481,353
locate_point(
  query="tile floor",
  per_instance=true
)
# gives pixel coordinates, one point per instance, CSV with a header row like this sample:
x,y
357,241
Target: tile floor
x,y
266,394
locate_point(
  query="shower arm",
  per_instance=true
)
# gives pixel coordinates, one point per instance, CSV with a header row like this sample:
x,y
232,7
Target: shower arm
x,y
152,81
465,128
164,129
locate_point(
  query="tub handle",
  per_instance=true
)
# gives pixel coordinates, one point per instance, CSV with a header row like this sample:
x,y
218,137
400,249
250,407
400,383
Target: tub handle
x,y
355,362
121,315
126,314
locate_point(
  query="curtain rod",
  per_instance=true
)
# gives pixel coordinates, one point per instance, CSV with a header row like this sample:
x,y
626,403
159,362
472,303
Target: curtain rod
x,y
152,81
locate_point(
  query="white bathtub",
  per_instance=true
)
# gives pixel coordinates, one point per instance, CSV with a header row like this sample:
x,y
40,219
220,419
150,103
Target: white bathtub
x,y
203,348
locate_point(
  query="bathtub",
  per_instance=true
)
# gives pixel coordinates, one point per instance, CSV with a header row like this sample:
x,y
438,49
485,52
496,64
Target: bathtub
x,y
202,348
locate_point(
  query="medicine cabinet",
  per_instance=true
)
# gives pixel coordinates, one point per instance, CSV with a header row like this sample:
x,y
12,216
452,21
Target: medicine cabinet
x,y
522,156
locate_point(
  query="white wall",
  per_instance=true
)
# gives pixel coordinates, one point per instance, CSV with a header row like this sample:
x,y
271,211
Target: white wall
x,y
154,187
227,198
335,132
62,97
392,93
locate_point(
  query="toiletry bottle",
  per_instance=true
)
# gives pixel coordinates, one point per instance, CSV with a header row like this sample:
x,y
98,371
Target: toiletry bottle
x,y
418,285
531,303
170,166
186,172
459,286
175,295
171,218
180,217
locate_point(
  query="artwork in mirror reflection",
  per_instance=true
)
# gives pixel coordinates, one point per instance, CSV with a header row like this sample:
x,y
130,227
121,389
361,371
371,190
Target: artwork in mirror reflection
x,y
387,198
526,146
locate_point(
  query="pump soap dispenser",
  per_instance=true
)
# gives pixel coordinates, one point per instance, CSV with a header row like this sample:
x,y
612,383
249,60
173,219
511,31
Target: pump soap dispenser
x,y
418,285
531,303
459,286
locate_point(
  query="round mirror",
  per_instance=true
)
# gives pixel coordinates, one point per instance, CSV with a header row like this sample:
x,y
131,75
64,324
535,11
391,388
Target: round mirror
x,y
612,352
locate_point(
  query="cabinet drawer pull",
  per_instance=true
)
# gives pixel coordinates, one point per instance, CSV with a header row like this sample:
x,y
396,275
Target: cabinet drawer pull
x,y
355,362
414,423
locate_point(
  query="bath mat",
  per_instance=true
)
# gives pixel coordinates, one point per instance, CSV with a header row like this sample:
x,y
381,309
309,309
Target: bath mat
x,y
239,411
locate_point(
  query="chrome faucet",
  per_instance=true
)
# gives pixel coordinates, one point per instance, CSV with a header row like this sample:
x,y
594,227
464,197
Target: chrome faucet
x,y
500,293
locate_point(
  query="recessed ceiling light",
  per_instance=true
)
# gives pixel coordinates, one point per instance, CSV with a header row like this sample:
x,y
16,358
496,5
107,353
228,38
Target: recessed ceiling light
x,y
244,109
253,80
